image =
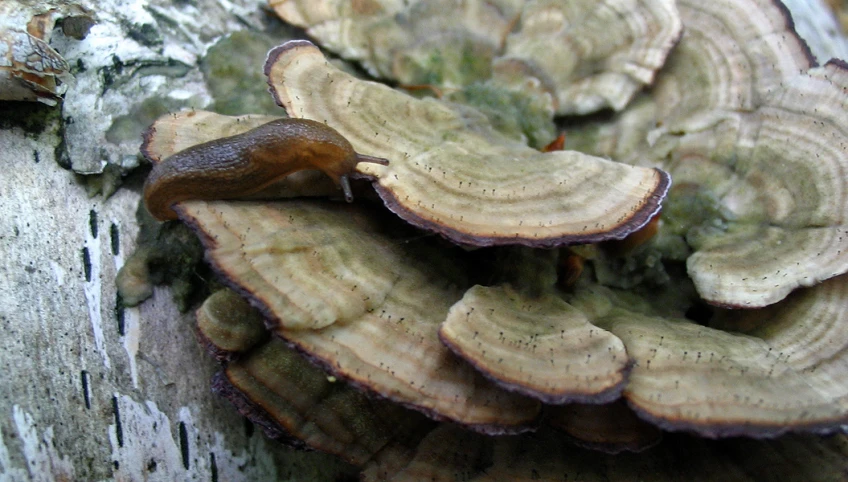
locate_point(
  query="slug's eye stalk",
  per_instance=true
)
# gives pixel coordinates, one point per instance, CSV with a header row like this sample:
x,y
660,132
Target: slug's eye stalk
x,y
344,182
344,179
371,159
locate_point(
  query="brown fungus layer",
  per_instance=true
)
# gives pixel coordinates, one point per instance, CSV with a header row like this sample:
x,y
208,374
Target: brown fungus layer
x,y
295,402
451,173
450,454
612,428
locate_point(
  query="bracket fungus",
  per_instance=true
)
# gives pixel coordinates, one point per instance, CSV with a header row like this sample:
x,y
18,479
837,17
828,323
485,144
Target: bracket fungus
x,y
741,118
295,402
589,54
363,306
783,374
447,162
291,399
606,51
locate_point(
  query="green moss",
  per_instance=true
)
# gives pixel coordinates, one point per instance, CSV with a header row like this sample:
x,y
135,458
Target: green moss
x,y
690,206
518,115
131,126
233,71
445,62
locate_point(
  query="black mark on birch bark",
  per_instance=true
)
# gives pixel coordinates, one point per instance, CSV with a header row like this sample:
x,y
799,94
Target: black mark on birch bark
x,y
119,430
86,264
92,223
184,444
85,387
115,239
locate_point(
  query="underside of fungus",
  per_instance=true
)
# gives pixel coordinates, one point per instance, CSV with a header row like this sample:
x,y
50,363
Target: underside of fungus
x,y
611,428
451,173
450,454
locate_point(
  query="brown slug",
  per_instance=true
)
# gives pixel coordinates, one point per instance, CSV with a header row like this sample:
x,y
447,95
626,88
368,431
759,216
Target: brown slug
x,y
246,163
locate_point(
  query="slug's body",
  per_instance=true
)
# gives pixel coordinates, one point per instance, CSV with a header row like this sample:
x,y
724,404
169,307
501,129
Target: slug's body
x,y
246,163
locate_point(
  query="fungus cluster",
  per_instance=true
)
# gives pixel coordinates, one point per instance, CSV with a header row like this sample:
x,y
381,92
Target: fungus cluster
x,y
423,336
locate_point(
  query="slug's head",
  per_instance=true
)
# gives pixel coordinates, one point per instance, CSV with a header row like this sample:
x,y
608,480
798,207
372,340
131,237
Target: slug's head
x,y
330,152
344,179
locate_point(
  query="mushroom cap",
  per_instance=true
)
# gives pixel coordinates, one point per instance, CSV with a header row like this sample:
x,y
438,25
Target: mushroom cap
x,y
447,163
356,299
732,56
438,42
597,54
227,325
539,346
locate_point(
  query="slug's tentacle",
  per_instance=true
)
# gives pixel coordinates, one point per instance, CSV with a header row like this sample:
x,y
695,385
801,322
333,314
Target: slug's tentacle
x,y
246,163
344,179
372,159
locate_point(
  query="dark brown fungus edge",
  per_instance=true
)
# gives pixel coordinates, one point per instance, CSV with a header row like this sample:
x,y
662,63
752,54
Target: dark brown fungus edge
x,y
722,430
222,386
636,221
485,429
790,26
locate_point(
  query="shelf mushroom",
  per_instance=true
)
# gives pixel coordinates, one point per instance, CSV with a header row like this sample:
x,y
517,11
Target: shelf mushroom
x,y
374,303
745,122
446,162
589,55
